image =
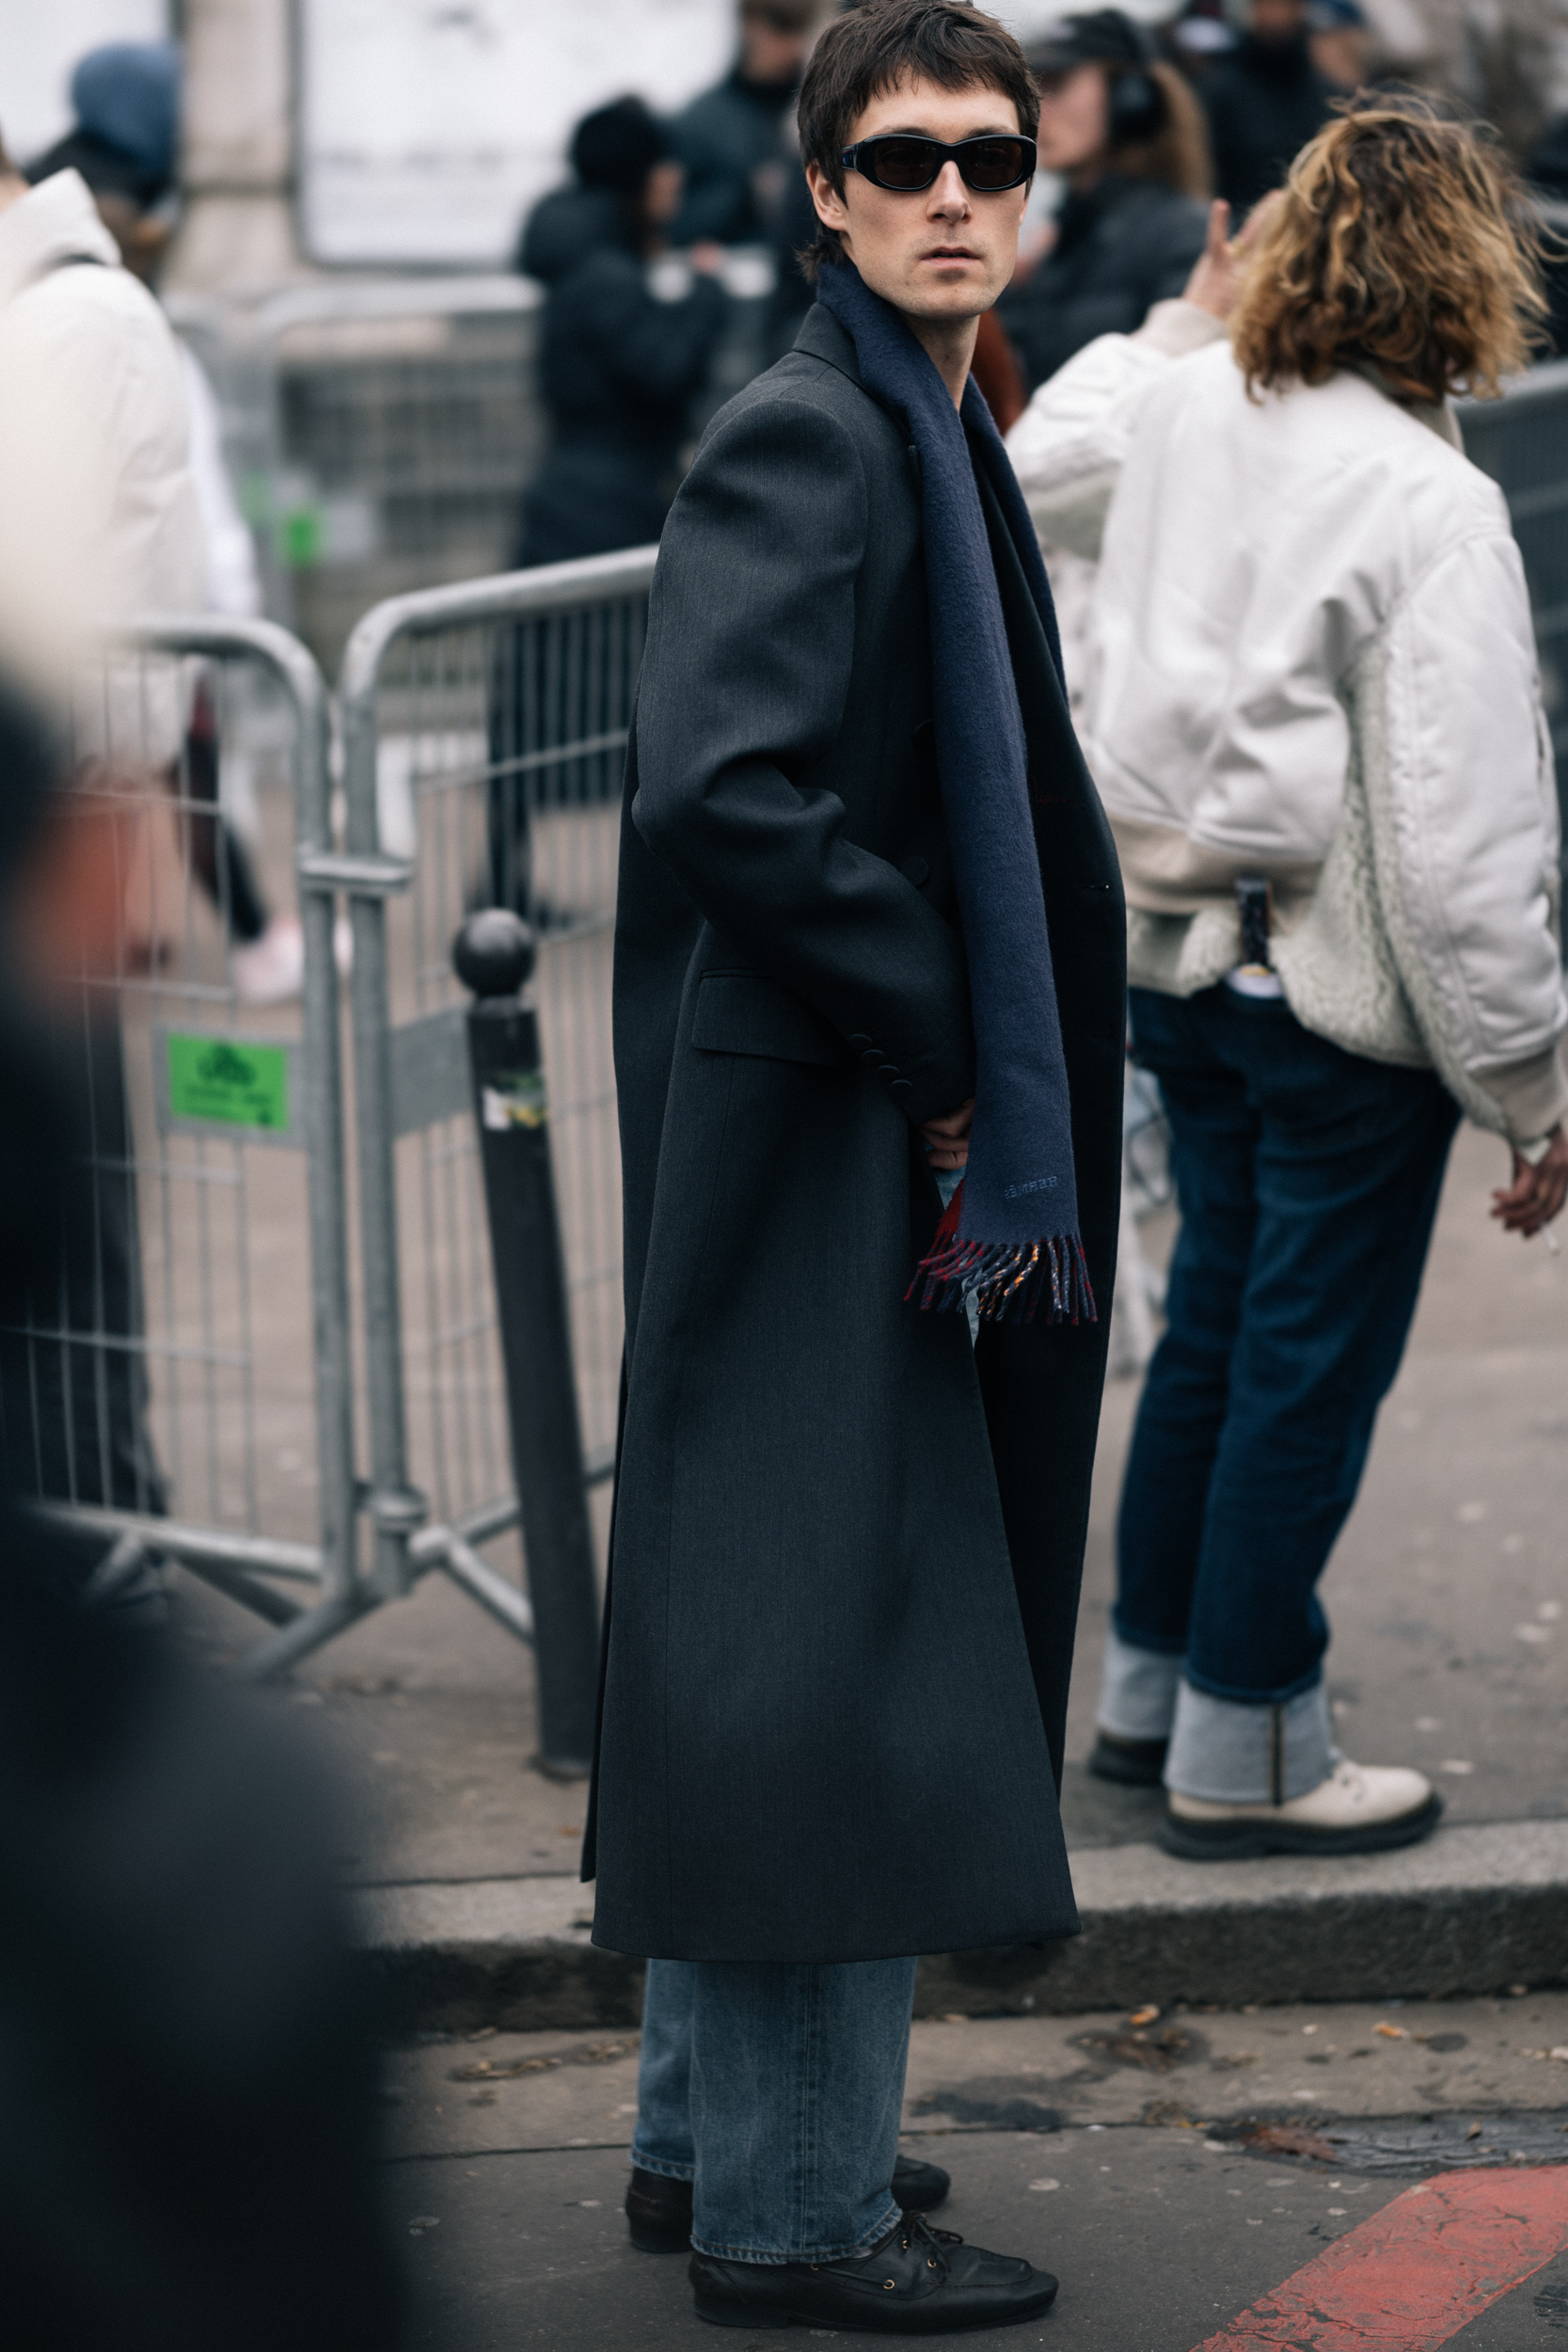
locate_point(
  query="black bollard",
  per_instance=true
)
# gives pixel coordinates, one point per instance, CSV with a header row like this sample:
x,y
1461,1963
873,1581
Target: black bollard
x,y
493,955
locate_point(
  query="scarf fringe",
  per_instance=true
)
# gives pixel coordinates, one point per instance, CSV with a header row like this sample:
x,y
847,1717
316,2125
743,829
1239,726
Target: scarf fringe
x,y
1007,1279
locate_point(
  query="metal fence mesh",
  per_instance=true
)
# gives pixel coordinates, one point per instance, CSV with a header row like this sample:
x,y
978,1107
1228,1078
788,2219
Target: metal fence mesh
x,y
499,750
161,1368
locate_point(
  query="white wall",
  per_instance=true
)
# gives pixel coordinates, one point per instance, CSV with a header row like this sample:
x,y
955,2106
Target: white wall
x,y
426,132
40,42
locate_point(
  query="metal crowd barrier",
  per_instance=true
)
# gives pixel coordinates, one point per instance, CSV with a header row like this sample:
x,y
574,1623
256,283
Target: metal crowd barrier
x,y
483,732
381,432
180,1387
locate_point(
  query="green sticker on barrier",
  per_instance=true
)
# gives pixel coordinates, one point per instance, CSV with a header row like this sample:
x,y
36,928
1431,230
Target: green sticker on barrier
x,y
236,1084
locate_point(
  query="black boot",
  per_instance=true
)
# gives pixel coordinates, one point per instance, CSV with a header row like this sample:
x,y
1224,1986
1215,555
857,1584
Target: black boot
x,y
1135,1763
658,2210
919,2282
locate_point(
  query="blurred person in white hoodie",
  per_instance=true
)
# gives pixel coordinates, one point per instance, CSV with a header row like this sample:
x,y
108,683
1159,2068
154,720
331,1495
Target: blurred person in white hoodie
x,y
125,145
1313,712
98,523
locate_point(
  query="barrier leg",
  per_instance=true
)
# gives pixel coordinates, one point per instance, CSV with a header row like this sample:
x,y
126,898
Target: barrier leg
x,y
494,956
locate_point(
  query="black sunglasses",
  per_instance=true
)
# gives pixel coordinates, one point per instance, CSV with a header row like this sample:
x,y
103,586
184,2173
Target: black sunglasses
x,y
906,161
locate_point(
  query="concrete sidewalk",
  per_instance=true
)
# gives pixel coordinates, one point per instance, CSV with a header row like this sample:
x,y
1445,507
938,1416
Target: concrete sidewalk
x,y
1171,2173
1447,1595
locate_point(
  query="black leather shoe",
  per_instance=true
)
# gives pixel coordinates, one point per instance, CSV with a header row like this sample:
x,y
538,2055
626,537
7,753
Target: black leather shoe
x,y
658,2210
1136,1763
919,2282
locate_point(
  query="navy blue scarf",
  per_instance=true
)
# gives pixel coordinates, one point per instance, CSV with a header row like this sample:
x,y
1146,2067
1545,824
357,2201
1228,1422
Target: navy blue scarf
x,y
1009,1238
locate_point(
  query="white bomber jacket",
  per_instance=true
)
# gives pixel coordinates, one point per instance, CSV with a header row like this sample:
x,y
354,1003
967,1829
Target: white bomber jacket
x,y
99,519
1308,654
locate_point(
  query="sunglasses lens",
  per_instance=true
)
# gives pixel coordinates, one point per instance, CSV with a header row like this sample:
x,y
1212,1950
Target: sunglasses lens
x,y
993,163
904,163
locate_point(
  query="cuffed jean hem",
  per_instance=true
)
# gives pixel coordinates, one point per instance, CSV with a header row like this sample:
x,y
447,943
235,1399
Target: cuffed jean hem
x,y
656,2164
1239,1753
1137,1690
1280,1697
771,2255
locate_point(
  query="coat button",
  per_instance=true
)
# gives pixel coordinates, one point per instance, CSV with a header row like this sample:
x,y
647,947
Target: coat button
x,y
860,1041
916,870
900,1085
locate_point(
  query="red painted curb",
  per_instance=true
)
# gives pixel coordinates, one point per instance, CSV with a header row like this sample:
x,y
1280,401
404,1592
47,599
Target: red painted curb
x,y
1412,2275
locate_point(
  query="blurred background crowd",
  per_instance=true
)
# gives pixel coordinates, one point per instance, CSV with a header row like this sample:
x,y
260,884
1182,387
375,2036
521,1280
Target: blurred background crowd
x,y
464,284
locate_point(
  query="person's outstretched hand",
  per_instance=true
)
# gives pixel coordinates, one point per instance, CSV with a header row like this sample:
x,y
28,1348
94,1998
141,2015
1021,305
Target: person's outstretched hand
x,y
1216,284
1537,1194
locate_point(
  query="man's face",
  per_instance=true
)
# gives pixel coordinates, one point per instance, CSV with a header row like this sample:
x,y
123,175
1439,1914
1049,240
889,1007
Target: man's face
x,y
947,251
771,53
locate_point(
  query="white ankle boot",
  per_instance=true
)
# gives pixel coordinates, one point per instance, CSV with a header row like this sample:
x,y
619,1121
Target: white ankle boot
x,y
1361,1809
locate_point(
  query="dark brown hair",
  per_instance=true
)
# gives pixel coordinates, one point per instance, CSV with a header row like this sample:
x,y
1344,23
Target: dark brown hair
x,y
889,42
1401,243
1178,154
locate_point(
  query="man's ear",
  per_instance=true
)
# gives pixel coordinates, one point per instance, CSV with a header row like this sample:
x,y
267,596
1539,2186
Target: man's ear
x,y
830,208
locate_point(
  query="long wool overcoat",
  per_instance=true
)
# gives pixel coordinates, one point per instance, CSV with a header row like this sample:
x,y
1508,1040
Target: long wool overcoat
x,y
846,1546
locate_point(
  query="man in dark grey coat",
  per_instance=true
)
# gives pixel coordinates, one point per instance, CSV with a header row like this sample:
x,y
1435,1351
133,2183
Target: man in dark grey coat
x,y
848,1540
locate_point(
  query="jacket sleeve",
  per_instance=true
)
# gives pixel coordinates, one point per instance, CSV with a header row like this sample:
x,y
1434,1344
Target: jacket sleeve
x,y
1475,825
750,645
1068,446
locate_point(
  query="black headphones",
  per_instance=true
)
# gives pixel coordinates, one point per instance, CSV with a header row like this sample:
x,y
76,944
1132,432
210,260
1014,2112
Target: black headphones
x,y
1137,108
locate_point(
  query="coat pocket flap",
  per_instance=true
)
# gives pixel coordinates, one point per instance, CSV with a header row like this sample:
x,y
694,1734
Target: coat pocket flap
x,y
743,1012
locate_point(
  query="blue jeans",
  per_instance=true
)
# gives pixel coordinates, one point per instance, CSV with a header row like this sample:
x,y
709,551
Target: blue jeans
x,y
1308,1180
777,2091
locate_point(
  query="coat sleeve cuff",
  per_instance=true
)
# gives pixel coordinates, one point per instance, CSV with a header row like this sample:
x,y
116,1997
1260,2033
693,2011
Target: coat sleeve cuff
x,y
1179,327
1532,1094
936,1087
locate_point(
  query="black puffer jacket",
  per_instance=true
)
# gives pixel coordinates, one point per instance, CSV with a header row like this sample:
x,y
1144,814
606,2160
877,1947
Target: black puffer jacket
x,y
1264,102
618,372
1120,247
722,139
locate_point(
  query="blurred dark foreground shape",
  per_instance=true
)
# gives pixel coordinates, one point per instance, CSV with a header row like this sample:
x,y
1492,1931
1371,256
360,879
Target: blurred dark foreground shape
x,y
186,2070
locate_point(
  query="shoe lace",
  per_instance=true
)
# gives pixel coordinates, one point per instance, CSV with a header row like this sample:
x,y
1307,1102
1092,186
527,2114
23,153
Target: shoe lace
x,y
916,2234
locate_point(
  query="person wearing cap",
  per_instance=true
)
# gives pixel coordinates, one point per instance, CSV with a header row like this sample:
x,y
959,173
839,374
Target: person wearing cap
x,y
619,367
621,363
125,145
1265,99
98,512
1127,137
1341,41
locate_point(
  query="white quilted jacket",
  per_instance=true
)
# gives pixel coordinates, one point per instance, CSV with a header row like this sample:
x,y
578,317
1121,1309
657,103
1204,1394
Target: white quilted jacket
x,y
1307,653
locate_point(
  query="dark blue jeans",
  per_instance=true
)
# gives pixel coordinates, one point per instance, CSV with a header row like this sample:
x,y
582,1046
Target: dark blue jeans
x,y
1309,1181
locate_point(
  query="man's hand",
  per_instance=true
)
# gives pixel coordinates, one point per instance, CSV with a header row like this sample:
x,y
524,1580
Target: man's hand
x,y
946,1139
1537,1194
1216,284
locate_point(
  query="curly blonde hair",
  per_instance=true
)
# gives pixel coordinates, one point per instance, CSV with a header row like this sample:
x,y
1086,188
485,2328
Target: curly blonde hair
x,y
1401,243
